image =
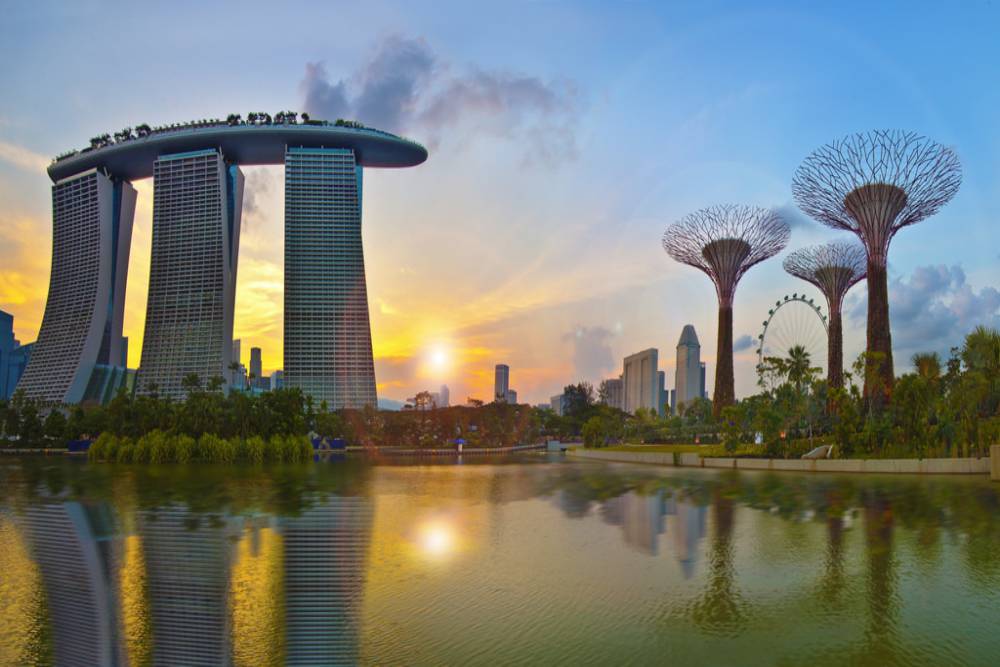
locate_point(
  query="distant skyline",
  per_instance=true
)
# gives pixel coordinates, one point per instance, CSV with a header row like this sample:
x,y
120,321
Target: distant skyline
x,y
531,235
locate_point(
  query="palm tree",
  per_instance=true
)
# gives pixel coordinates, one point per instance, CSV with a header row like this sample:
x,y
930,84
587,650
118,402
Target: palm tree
x,y
927,364
982,350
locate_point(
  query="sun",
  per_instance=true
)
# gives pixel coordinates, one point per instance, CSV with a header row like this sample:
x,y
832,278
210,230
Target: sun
x,y
438,358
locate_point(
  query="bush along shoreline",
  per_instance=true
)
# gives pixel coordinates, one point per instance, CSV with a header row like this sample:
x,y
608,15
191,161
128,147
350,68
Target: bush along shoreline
x,y
160,447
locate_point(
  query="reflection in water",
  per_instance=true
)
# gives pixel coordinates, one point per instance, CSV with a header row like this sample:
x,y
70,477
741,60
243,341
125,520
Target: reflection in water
x,y
491,564
720,610
325,551
188,559
78,563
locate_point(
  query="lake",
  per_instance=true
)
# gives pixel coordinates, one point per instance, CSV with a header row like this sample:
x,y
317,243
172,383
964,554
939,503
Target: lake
x,y
534,560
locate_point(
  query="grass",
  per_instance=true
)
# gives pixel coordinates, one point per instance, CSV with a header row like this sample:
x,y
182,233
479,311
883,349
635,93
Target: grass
x,y
160,447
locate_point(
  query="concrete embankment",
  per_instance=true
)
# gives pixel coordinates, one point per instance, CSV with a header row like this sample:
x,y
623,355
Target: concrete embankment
x,y
969,466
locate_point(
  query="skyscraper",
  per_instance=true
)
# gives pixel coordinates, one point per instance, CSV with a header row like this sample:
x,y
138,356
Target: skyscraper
x,y
688,378
613,392
501,382
639,379
701,384
196,210
82,326
6,348
328,343
662,398
256,367
197,204
444,395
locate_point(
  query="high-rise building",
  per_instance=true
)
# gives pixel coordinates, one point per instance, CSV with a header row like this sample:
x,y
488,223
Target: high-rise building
x,y
6,349
444,396
702,391
82,326
328,343
197,204
256,367
277,380
501,382
558,403
511,397
123,362
19,358
613,391
688,381
662,399
640,378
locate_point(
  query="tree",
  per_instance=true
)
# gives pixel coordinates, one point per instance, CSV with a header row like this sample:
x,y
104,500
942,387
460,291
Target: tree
x,y
927,365
55,426
191,383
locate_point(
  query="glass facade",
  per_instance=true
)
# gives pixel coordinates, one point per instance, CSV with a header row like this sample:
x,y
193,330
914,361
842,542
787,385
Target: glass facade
x,y
327,346
197,199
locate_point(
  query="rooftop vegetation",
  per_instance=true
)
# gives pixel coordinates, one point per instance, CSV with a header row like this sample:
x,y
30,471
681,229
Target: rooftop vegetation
x,y
254,118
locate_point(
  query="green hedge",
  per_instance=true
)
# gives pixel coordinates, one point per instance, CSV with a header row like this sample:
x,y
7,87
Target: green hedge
x,y
160,447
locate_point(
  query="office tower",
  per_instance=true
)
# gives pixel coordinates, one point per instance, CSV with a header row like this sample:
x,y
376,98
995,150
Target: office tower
x,y
511,397
688,381
661,396
501,382
611,390
277,380
256,365
701,383
82,326
197,204
328,344
673,401
444,395
558,404
639,378
6,349
123,361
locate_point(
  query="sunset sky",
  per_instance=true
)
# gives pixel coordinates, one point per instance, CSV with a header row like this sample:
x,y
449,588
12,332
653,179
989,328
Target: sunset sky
x,y
563,137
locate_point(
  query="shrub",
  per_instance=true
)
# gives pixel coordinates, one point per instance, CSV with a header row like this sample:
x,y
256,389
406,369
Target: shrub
x,y
184,448
254,449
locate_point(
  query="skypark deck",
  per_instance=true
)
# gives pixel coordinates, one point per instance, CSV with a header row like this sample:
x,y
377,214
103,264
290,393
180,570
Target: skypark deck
x,y
244,144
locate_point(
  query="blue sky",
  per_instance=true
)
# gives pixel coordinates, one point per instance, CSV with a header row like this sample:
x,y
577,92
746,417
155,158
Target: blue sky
x,y
564,138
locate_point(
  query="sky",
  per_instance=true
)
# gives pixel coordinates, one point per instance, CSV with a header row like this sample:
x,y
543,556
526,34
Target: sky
x,y
564,138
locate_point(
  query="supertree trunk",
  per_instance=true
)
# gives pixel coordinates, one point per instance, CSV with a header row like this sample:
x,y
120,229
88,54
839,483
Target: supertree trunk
x,y
835,351
725,392
879,375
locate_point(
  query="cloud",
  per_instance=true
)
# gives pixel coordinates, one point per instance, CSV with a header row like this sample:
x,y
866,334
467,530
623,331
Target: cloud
x,y
933,310
744,342
257,183
795,218
23,158
592,358
406,88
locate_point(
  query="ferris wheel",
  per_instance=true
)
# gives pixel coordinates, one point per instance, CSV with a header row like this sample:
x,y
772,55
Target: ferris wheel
x,y
794,320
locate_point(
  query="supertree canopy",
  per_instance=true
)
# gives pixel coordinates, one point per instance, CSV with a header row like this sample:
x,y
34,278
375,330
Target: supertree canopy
x,y
874,184
724,242
834,268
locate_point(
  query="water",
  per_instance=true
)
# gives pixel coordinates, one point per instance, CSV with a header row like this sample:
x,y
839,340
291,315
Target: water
x,y
505,563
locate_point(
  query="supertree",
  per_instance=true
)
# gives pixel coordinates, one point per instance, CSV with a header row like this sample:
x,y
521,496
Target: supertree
x,y
873,185
724,242
834,268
